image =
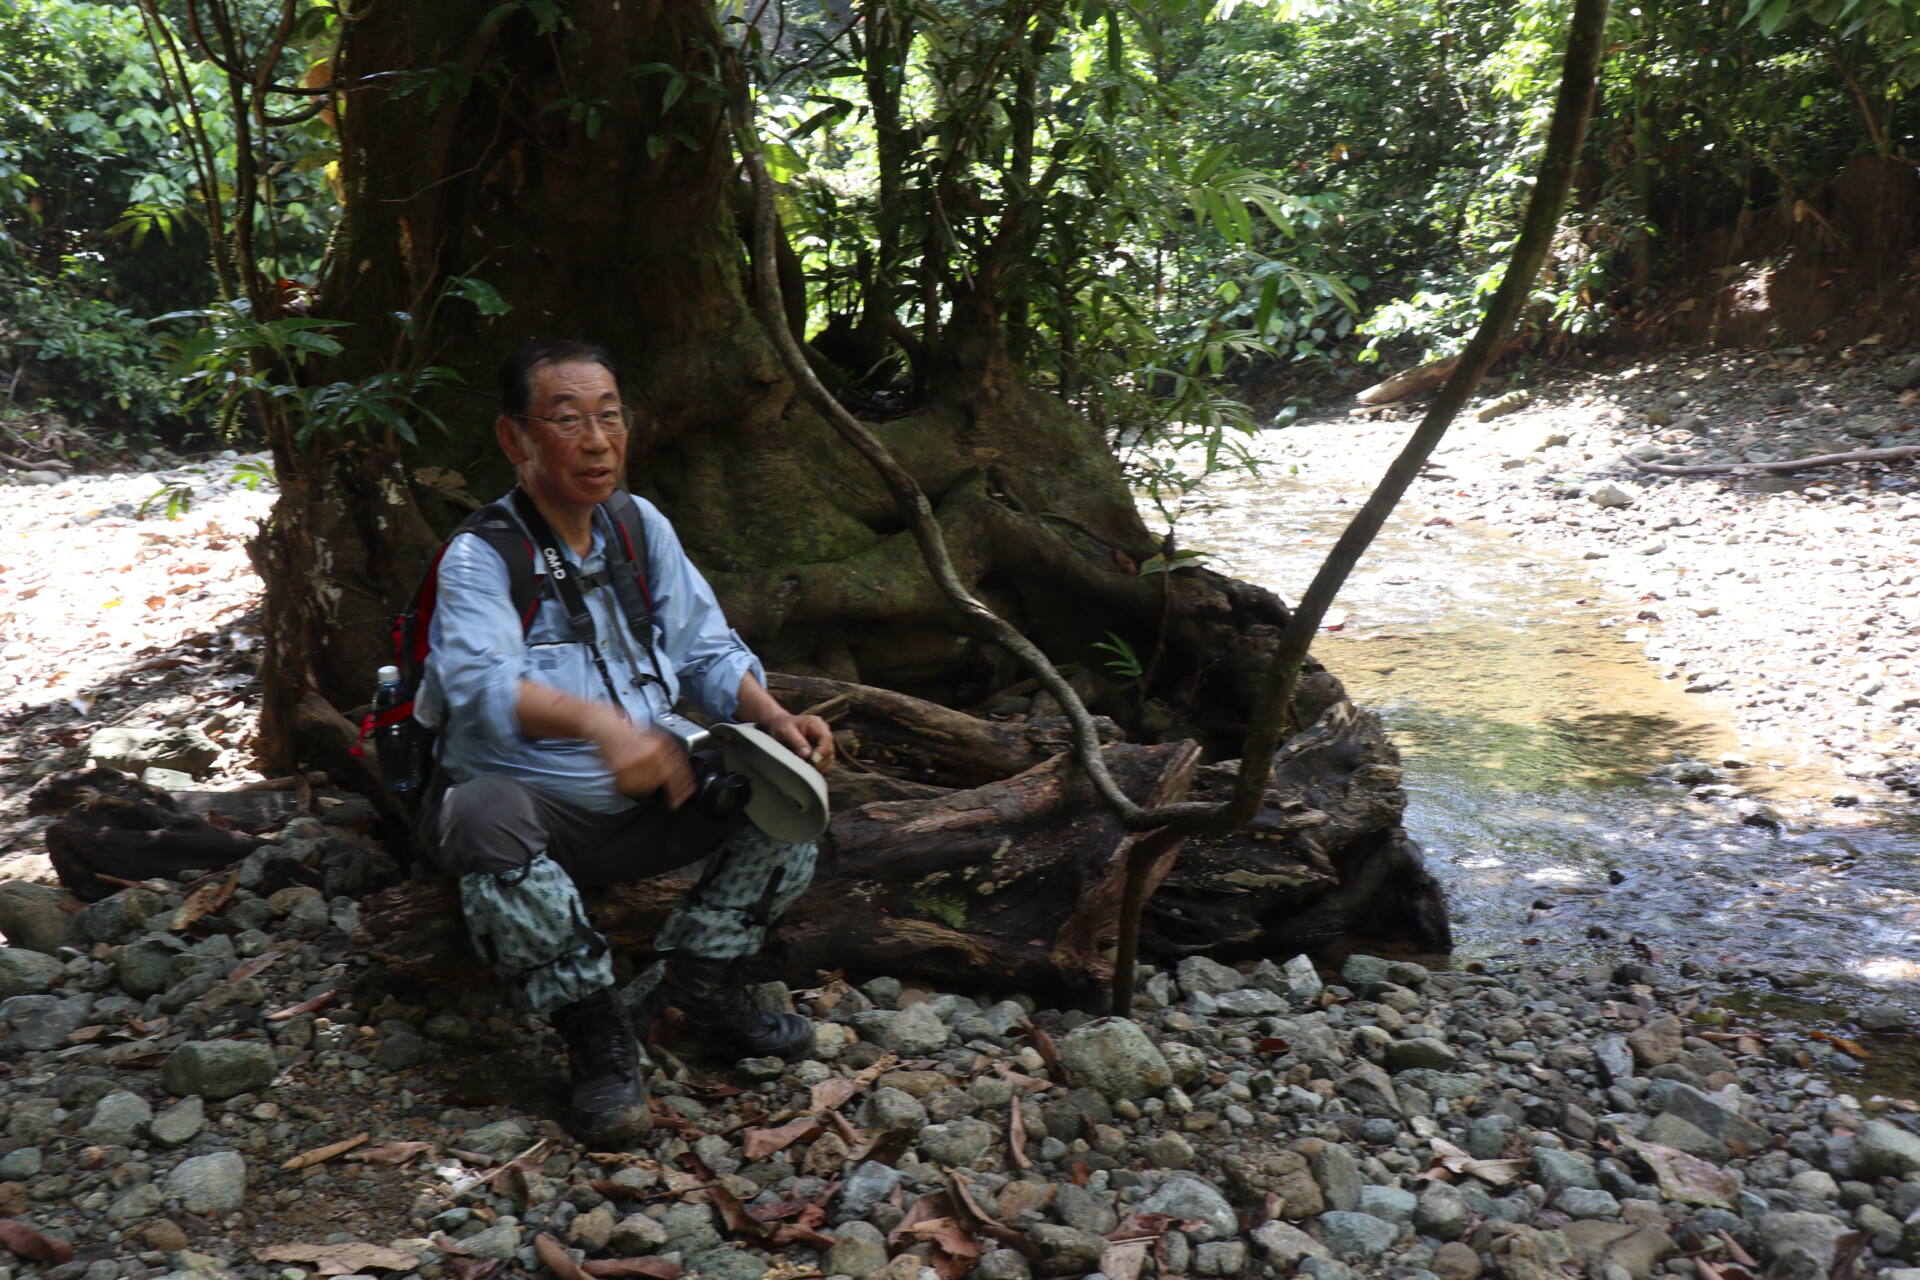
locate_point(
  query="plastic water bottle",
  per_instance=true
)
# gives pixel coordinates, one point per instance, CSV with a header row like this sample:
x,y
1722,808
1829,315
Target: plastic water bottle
x,y
398,744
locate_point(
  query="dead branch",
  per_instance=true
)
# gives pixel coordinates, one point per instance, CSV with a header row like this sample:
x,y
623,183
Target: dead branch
x,y
1788,464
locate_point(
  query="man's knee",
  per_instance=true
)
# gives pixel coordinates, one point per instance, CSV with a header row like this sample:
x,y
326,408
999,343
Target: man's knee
x,y
489,823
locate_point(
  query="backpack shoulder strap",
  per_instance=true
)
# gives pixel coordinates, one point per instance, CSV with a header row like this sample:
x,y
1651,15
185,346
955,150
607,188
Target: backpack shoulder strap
x,y
495,525
631,533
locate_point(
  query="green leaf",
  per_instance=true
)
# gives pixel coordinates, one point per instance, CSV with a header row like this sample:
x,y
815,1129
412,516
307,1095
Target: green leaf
x,y
485,298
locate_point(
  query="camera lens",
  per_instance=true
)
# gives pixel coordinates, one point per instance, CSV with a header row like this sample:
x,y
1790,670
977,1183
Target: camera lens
x,y
718,791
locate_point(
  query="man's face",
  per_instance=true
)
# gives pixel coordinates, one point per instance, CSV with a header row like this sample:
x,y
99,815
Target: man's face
x,y
561,471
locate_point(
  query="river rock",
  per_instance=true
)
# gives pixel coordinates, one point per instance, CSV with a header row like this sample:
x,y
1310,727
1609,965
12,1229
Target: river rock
x,y
1114,1056
1389,1204
34,916
1636,1250
1249,1002
1420,1052
1656,1042
1730,1131
859,1250
1286,1247
42,1022
180,1123
1441,1211
958,1143
1338,1172
637,1235
1188,1197
27,972
1000,1264
1198,974
130,749
1356,1234
915,1032
1614,1058
1302,980
1362,973
1456,1261
219,1068
1884,1149
866,1187
1078,1207
1557,1170
1797,1245
119,1120
1370,1089
499,1242
214,1183
1065,1251
892,1110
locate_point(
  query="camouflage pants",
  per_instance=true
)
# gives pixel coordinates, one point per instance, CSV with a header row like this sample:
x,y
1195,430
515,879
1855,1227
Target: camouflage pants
x,y
521,857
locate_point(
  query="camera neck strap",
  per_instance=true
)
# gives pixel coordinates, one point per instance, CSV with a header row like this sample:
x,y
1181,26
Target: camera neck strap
x,y
562,573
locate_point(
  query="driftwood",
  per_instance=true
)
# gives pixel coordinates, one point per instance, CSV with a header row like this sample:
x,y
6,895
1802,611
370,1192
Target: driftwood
x,y
114,828
929,742
1324,858
1014,883
1788,464
1411,382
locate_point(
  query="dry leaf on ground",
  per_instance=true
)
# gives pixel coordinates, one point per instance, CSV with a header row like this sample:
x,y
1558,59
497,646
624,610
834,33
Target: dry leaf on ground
x,y
318,1155
1686,1178
1497,1172
556,1258
616,1268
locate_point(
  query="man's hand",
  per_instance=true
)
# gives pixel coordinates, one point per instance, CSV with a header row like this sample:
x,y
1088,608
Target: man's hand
x,y
644,761
808,737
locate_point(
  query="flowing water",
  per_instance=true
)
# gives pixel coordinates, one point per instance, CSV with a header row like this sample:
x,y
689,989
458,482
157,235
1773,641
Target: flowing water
x,y
1529,726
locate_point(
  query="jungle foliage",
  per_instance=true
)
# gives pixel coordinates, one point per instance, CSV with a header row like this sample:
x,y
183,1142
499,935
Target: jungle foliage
x,y
1169,195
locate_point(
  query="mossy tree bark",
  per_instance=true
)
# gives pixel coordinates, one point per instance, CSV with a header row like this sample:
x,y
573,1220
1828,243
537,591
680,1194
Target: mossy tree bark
x,y
477,145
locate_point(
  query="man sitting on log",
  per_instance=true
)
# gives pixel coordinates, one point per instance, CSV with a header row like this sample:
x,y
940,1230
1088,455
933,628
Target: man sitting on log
x,y
560,779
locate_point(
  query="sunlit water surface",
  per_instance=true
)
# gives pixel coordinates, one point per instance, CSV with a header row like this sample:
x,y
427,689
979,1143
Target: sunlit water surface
x,y
1529,726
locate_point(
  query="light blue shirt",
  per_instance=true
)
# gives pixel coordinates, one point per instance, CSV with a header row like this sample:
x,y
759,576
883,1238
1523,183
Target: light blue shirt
x,y
479,657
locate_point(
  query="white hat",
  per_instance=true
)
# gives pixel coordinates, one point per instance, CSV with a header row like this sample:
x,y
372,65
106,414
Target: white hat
x,y
789,799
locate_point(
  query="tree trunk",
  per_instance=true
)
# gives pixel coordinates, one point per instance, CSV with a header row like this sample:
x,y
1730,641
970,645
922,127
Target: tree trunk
x,y
476,145
487,175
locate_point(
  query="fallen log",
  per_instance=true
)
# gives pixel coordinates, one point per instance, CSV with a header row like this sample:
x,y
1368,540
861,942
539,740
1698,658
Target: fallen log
x,y
1411,382
114,828
1896,454
1324,857
1014,883
947,747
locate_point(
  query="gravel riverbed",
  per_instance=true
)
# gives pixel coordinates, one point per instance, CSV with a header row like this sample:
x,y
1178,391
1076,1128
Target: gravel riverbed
x,y
1790,600
239,1093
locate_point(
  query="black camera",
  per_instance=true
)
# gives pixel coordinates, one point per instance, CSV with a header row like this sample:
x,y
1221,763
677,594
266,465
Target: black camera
x,y
719,793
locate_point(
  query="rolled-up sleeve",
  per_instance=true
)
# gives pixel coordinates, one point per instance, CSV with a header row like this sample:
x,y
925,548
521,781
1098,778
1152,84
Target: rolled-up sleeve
x,y
479,654
708,655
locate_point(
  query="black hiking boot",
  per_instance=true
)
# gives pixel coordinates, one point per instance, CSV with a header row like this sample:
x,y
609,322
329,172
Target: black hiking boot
x,y
608,1103
714,997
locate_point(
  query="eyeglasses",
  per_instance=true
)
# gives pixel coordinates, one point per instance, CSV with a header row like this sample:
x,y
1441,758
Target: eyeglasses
x,y
614,422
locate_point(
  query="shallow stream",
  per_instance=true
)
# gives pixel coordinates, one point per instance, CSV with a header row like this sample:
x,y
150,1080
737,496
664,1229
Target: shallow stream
x,y
1529,727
